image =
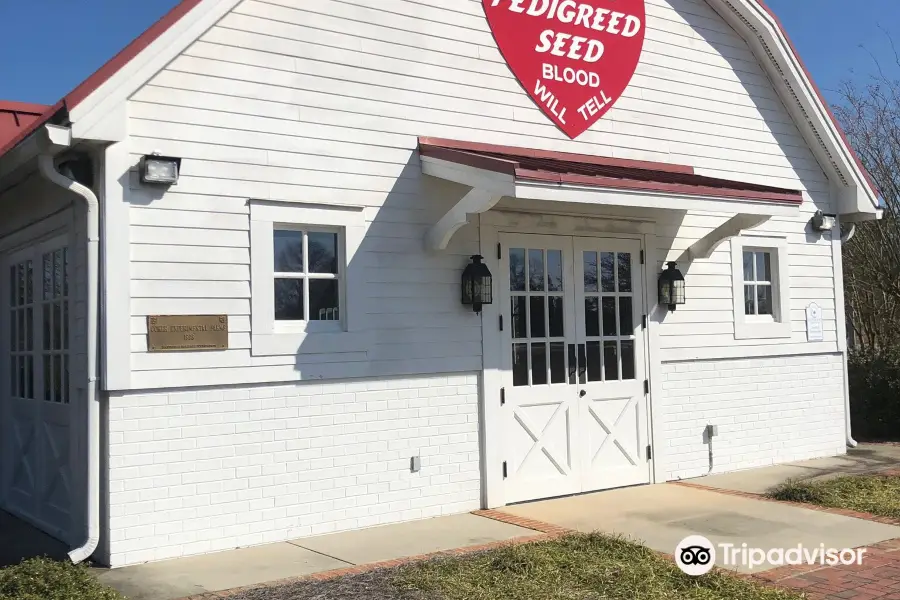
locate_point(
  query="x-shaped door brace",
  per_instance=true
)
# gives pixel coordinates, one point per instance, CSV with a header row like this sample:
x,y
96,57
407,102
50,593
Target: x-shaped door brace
x,y
609,432
539,439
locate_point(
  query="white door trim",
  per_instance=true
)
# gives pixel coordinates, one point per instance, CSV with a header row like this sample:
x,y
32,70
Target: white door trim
x,y
490,225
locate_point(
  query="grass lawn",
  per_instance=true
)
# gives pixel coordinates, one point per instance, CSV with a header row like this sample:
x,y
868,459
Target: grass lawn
x,y
876,494
575,567
45,579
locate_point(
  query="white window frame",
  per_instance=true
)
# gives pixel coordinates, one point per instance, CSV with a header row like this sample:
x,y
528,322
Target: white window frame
x,y
281,338
778,324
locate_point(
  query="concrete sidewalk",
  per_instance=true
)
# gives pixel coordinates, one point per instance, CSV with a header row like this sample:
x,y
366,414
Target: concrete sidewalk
x,y
170,579
865,458
662,515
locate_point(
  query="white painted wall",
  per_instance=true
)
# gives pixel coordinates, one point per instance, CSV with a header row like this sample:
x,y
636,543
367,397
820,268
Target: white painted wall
x,y
769,411
194,471
323,102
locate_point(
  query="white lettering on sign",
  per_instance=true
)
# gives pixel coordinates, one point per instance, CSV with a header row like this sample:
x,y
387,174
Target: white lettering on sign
x,y
570,55
593,106
570,75
551,101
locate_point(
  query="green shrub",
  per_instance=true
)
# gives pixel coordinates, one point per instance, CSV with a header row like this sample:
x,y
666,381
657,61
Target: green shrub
x,y
45,579
875,395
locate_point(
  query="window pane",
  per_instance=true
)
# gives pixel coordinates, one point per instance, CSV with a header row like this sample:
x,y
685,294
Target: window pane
x,y
626,318
536,270
749,308
557,326
29,377
57,326
517,269
537,316
65,318
21,330
29,329
47,323
539,363
594,364
48,384
609,316
29,283
12,378
764,300
627,359
66,378
288,299
21,377
572,363
12,286
323,300
607,272
517,309
554,271
624,260
590,272
323,252
57,378
65,271
57,273
748,266
288,251
557,362
20,277
592,316
611,360
47,276
520,364
763,266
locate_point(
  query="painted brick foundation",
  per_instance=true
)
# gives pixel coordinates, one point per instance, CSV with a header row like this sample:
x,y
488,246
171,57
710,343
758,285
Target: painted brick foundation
x,y
192,472
769,411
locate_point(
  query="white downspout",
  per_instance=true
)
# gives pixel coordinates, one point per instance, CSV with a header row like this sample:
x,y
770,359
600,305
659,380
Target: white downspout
x,y
851,443
48,170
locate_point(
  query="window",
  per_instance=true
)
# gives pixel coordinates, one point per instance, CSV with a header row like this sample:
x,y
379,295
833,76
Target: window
x,y
758,282
306,278
760,287
307,275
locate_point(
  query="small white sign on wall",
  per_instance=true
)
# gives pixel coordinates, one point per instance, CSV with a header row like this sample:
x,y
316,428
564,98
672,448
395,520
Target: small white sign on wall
x,y
815,332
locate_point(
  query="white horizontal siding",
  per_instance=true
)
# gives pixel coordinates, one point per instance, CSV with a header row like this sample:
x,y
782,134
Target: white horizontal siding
x,y
323,102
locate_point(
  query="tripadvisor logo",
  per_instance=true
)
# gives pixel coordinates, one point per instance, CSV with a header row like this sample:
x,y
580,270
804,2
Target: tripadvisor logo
x,y
696,555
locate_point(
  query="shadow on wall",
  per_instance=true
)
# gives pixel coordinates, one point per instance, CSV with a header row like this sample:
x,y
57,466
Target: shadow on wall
x,y
412,319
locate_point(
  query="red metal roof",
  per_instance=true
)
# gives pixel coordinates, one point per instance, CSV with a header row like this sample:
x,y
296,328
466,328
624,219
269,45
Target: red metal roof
x,y
17,116
528,165
99,77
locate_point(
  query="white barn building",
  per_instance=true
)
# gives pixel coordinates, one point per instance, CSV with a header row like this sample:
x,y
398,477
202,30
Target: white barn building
x,y
274,346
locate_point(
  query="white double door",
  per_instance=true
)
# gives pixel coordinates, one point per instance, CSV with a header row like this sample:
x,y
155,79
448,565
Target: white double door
x,y
37,444
574,407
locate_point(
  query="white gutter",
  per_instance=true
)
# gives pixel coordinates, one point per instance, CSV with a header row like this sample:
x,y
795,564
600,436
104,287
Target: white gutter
x,y
48,170
839,297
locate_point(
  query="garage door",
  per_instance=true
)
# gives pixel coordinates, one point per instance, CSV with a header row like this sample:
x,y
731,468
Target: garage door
x,y
36,432
574,407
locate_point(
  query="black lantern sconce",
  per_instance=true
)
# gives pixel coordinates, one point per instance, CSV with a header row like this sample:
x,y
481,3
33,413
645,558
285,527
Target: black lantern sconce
x,y
671,286
477,284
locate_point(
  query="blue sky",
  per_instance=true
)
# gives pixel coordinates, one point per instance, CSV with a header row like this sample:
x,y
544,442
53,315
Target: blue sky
x,y
47,47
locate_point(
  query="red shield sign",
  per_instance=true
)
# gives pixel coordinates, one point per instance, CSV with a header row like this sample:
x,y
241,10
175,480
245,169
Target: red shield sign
x,y
574,58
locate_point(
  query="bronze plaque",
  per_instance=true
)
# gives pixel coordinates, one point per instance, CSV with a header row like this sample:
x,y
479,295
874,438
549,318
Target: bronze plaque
x,y
176,333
